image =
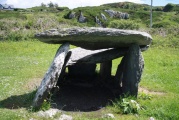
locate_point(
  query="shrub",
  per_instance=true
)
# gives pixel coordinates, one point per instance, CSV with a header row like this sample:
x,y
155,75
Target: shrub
x,y
124,24
161,24
169,7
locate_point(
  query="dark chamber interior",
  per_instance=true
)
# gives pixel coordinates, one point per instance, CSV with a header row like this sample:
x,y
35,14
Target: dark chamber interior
x,y
84,94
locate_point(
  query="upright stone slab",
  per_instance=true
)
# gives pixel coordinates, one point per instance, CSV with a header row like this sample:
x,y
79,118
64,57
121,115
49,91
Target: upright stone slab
x,y
133,67
51,77
105,70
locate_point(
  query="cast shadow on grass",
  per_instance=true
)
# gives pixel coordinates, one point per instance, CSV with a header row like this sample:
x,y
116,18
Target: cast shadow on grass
x,y
18,101
72,96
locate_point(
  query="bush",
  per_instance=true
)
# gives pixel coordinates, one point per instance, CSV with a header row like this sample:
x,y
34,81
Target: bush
x,y
124,24
169,7
161,25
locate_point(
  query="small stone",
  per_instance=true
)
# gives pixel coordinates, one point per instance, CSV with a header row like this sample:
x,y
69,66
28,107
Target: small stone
x,y
49,113
65,117
109,115
151,118
81,18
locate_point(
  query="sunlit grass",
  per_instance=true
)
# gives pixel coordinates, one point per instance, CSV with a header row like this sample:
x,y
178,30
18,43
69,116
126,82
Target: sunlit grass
x,y
24,63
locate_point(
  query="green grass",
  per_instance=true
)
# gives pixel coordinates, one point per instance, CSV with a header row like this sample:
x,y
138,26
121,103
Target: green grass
x,y
24,63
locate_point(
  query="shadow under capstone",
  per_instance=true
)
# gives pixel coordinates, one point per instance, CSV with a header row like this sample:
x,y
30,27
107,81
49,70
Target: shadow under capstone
x,y
83,95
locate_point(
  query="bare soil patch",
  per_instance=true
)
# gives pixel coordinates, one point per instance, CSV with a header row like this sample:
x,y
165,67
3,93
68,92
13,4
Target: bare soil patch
x,y
145,90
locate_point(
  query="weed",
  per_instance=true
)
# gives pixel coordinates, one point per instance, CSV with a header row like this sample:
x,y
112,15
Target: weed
x,y
45,105
144,96
126,105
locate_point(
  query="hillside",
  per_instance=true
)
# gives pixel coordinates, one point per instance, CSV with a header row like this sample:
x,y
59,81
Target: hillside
x,y
22,24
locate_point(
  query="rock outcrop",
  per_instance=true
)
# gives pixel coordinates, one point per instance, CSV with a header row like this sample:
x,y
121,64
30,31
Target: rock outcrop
x,y
72,15
81,18
117,14
103,17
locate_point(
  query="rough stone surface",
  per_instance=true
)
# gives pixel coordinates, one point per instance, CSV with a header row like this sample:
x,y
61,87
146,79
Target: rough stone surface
x,y
98,21
81,18
51,77
105,70
80,55
132,70
117,14
72,15
65,117
95,38
151,118
103,17
49,113
108,116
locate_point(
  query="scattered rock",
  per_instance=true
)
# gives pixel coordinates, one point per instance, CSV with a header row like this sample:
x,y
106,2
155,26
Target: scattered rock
x,y
151,118
117,14
109,116
49,113
95,38
103,17
98,21
81,18
65,117
72,15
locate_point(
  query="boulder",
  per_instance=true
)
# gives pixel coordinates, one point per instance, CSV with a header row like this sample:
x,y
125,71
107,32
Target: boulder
x,y
98,21
95,38
103,17
81,18
72,15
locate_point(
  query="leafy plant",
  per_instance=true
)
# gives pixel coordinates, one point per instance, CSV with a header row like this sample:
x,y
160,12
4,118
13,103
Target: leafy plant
x,y
45,105
126,106
144,96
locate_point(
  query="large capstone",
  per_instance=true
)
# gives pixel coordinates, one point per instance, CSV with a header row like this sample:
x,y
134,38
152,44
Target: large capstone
x,y
95,38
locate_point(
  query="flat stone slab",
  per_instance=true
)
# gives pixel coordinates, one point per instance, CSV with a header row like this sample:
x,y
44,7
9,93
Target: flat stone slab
x,y
95,38
80,55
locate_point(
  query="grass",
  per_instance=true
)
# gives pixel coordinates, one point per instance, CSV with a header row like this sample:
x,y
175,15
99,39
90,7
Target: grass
x,y
24,63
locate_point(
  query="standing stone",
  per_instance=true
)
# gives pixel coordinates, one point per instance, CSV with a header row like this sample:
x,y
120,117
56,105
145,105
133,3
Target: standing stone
x,y
119,73
103,17
105,70
98,21
51,77
81,18
133,67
